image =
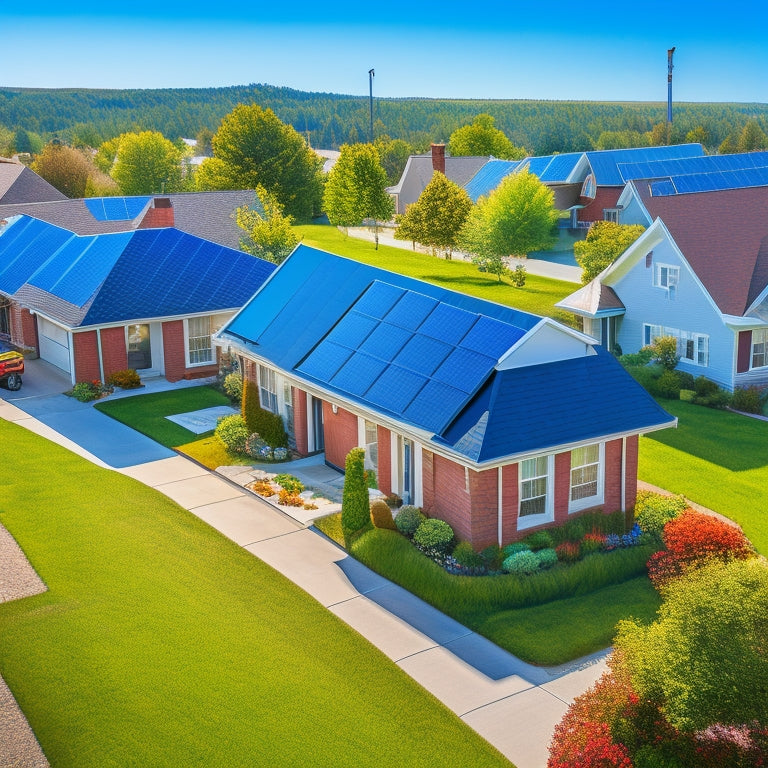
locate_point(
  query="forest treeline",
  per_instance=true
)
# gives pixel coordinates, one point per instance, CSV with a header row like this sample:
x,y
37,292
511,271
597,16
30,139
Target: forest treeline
x,y
88,117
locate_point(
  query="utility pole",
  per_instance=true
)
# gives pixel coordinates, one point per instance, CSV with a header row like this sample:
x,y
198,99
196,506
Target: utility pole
x,y
370,99
670,53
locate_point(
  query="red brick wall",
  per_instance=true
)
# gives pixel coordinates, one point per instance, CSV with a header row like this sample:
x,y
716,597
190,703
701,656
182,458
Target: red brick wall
x,y
562,486
451,503
340,434
114,354
510,499
300,422
612,500
23,328
630,493
173,350
86,349
384,474
484,492
606,197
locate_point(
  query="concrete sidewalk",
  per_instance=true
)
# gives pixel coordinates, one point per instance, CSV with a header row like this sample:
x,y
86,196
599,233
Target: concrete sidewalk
x,y
514,705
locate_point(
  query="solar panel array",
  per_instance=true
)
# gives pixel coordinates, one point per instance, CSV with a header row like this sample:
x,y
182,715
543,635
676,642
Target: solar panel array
x,y
709,182
116,208
489,177
605,163
408,354
693,165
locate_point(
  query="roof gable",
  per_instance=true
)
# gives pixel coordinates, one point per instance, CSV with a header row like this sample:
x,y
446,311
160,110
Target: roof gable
x,y
19,184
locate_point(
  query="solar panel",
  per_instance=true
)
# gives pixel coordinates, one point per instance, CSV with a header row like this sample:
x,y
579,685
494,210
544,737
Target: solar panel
x,y
116,208
385,341
464,369
358,374
352,329
435,405
423,354
323,362
447,323
378,299
395,389
490,337
411,310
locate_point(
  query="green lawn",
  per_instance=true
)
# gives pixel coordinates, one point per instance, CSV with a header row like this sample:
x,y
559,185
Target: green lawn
x,y
538,296
715,458
146,413
162,643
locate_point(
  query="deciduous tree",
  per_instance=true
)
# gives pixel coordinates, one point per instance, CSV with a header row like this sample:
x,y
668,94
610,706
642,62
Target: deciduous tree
x,y
65,168
604,243
437,217
394,154
519,216
269,233
356,188
254,147
482,137
145,163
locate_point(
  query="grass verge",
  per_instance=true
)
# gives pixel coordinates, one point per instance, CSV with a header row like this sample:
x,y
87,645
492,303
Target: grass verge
x,y
715,458
147,413
538,296
162,643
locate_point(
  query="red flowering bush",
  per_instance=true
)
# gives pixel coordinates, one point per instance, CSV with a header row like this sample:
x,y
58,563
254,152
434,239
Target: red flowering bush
x,y
568,551
592,542
693,539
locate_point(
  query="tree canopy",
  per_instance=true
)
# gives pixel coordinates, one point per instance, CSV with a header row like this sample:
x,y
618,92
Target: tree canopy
x,y
482,137
145,163
356,188
518,217
65,168
604,243
437,217
252,148
269,233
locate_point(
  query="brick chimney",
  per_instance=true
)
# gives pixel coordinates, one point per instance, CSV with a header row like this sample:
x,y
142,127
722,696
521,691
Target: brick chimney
x,y
159,214
438,158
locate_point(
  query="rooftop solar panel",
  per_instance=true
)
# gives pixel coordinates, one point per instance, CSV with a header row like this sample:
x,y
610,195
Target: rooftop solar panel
x,y
411,311
353,329
324,362
447,323
385,341
464,369
395,389
490,337
116,208
358,374
378,299
435,405
423,354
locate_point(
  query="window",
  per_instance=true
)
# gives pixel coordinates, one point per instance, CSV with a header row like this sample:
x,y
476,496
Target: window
x,y
199,347
692,347
371,437
759,349
267,389
586,478
611,214
588,187
288,408
534,487
668,278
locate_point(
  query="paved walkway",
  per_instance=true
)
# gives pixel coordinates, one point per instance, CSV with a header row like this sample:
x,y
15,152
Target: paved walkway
x,y
514,705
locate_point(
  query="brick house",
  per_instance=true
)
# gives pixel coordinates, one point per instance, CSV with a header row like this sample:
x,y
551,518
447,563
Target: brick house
x,y
495,420
148,299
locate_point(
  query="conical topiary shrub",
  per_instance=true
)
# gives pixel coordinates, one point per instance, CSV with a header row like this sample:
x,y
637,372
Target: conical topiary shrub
x,y
355,510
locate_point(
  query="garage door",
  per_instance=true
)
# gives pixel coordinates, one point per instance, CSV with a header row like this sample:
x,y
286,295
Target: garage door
x,y
54,344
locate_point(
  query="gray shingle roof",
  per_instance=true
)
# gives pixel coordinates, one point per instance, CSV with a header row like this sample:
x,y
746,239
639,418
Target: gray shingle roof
x,y
19,184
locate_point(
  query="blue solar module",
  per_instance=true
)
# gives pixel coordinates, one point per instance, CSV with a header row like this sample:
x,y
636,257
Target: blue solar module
x,y
434,405
395,389
447,323
116,208
491,337
385,341
379,299
358,374
489,177
323,364
423,354
710,182
464,369
537,165
694,165
560,167
352,330
605,163
411,310
662,188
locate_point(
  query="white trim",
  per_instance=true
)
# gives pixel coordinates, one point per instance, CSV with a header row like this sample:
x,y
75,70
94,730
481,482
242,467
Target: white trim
x,y
361,431
548,516
623,474
418,474
590,501
394,461
500,503
310,422
101,355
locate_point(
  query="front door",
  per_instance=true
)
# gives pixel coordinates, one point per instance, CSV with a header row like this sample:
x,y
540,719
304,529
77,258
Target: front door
x,y
318,432
406,483
139,347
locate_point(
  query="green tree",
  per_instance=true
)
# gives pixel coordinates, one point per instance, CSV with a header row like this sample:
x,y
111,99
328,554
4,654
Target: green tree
x,y
269,233
105,157
752,138
356,188
482,137
254,147
437,217
519,216
355,503
704,658
146,162
394,154
65,168
204,144
697,135
604,243
6,141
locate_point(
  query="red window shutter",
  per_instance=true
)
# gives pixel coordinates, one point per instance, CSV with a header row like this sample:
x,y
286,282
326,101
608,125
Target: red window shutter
x,y
744,357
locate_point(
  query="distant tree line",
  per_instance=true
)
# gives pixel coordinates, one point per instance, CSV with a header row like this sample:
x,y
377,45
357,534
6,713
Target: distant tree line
x,y
88,118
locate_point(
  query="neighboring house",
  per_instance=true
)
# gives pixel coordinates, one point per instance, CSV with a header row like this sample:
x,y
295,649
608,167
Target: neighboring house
x,y
19,184
209,215
148,299
490,418
419,169
698,273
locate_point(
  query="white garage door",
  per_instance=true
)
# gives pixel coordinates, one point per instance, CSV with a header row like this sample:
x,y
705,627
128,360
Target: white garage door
x,y
54,344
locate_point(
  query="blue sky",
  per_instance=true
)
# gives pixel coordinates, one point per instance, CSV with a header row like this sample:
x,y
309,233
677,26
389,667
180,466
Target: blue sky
x,y
539,50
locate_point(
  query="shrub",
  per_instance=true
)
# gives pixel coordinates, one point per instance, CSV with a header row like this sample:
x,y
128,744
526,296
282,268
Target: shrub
x,y
280,453
464,554
289,482
268,425
381,515
355,512
433,535
233,387
592,542
257,448
517,276
631,539
653,511
408,519
665,352
521,563
84,391
687,395
539,540
573,530
749,399
637,359
547,557
370,479
289,499
709,394
514,548
491,557
668,385
263,488
568,551
125,379
394,501
233,432
692,540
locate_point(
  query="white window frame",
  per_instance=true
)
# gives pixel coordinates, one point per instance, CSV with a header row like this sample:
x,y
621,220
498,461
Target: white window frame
x,y
762,333
548,514
611,214
268,389
666,277
197,339
576,473
692,347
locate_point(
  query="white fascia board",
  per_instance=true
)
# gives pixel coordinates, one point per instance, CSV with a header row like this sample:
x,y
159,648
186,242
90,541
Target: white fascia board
x,y
743,323
142,320
580,170
652,236
762,296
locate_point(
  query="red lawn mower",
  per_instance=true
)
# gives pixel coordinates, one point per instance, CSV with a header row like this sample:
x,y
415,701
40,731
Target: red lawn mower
x,y
11,368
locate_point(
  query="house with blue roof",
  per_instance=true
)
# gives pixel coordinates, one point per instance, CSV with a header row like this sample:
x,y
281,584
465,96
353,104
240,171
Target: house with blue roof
x,y
147,299
493,419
